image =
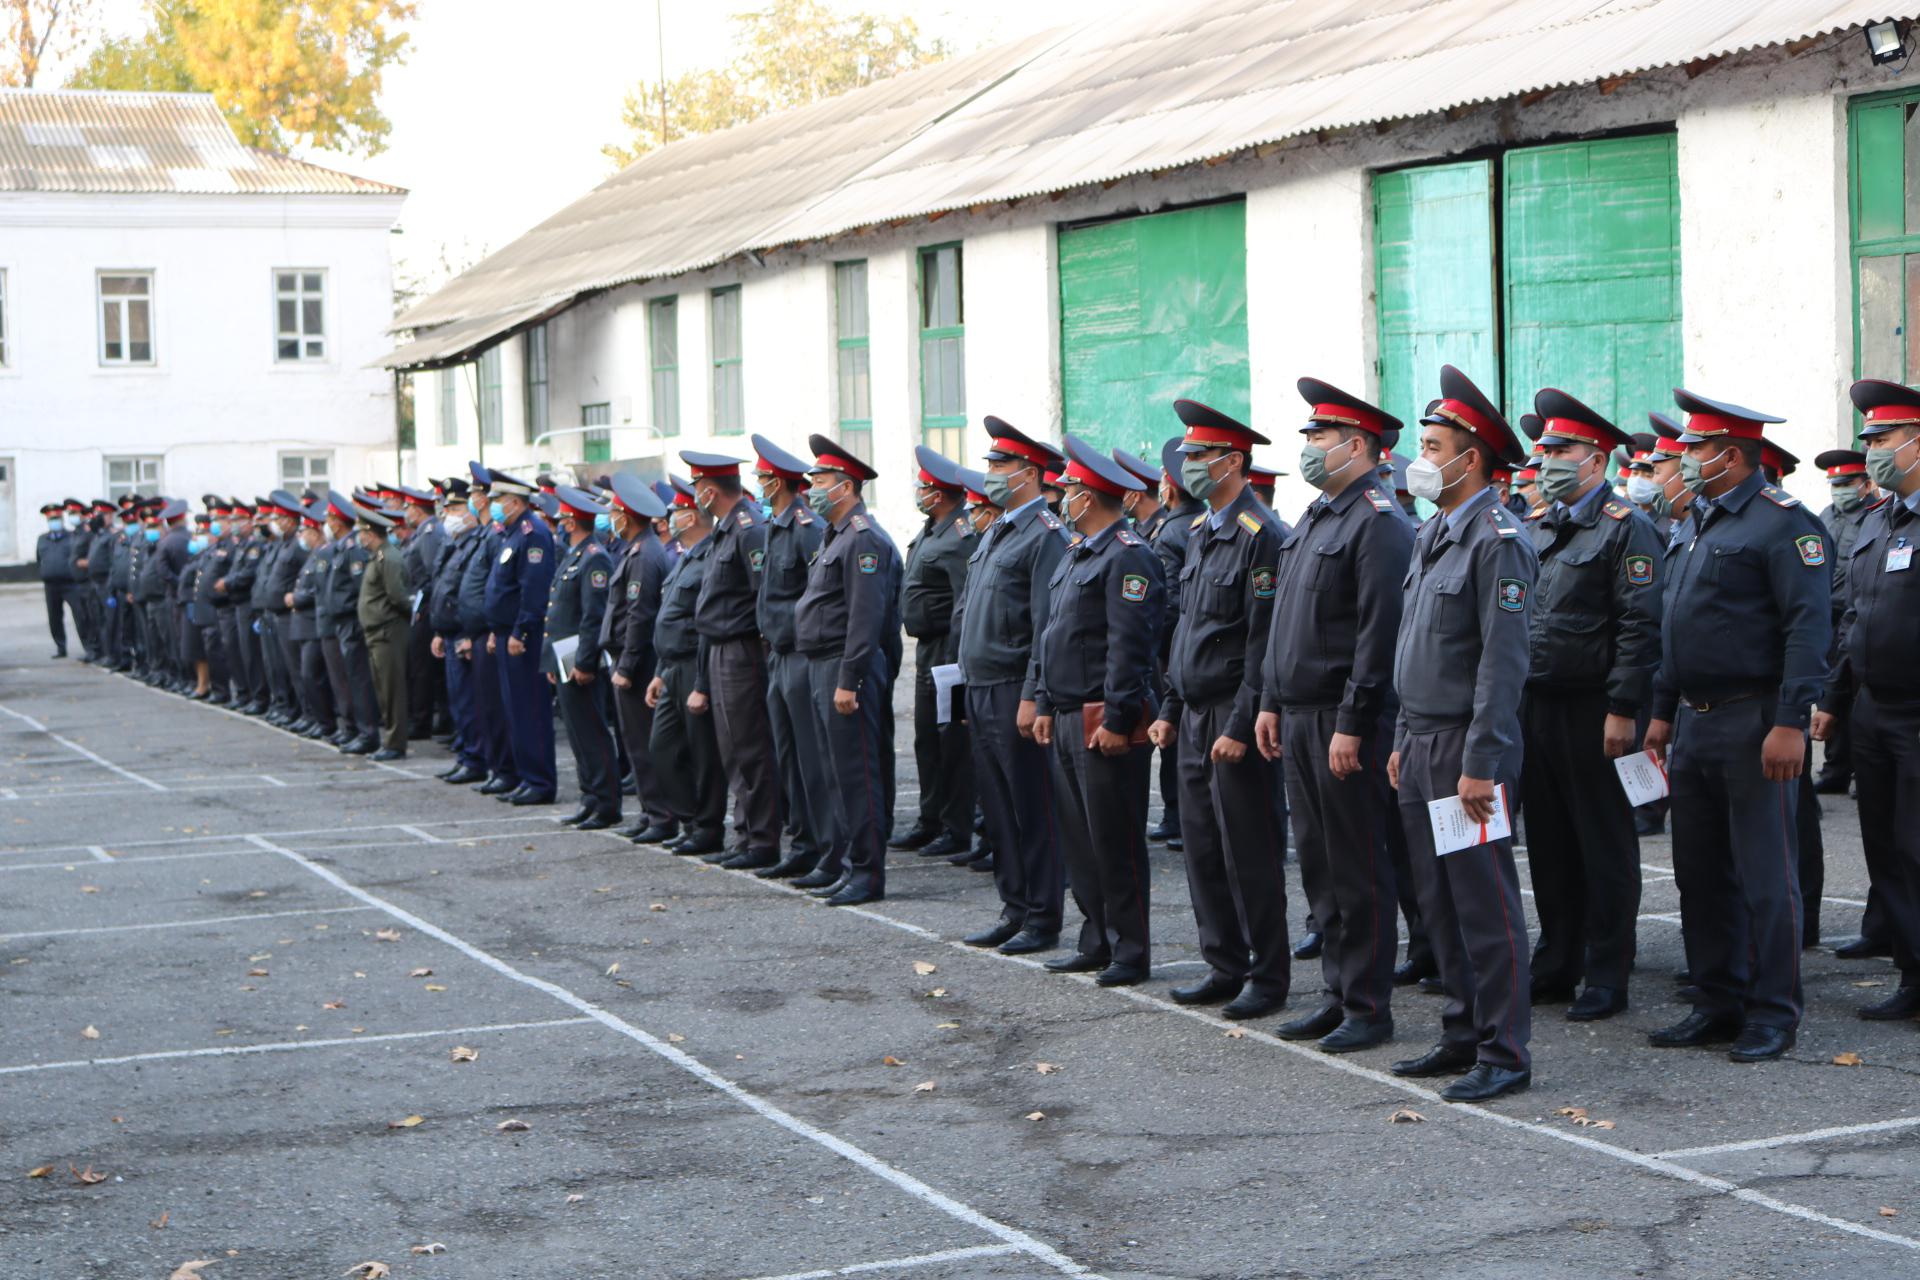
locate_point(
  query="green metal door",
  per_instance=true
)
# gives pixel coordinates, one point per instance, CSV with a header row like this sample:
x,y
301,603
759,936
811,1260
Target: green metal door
x,y
1591,275
1433,263
1153,309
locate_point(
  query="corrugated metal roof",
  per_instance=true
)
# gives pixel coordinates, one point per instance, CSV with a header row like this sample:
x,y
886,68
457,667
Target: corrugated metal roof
x,y
450,344
1134,92
94,141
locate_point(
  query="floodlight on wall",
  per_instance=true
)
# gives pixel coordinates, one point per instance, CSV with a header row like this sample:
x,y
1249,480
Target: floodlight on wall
x,y
1886,42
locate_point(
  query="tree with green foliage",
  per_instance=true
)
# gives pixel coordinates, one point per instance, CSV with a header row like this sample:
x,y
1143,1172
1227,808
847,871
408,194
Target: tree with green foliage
x,y
286,73
791,52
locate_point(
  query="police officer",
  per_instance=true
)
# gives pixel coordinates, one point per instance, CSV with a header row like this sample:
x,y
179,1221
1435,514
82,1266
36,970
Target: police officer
x,y
235,585
686,755
576,606
517,586
1005,610
1876,678
168,562
793,536
210,598
1461,663
489,706
935,581
54,556
1594,643
845,624
626,635
1327,705
1233,844
1853,497
250,611
454,625
384,611
1096,694
318,719
1744,644
354,679
1169,541
426,538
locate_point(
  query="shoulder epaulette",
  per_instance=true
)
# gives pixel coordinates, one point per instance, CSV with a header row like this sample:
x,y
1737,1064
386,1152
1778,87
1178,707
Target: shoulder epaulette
x,y
1050,520
1074,540
803,514
859,522
741,518
1128,538
966,529
1196,521
1883,500
1250,522
1502,522
1779,497
1539,509
526,526
1380,501
593,548
1618,510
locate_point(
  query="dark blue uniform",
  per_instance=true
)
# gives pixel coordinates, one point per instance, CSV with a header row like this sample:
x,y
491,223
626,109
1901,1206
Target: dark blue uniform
x,y
792,540
576,604
626,636
685,751
517,585
490,731
449,618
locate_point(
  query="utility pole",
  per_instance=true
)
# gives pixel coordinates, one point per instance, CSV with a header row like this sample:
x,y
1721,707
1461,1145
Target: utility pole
x,y
660,46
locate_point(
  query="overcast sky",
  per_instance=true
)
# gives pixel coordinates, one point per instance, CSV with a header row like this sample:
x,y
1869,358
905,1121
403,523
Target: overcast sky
x,y
500,113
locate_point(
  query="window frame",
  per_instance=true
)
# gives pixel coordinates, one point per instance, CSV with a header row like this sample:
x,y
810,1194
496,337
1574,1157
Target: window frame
x,y
491,396
1903,250
140,483
446,388
726,371
307,479
300,337
597,445
5,359
536,405
942,432
663,316
846,344
100,305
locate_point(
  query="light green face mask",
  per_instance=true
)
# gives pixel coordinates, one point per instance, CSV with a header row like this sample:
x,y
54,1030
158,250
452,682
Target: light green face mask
x,y
1559,478
1000,490
1846,498
1313,466
821,499
1196,478
1884,469
1690,471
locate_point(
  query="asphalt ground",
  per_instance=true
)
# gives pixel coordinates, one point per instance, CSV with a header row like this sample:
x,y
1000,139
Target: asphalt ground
x,y
278,948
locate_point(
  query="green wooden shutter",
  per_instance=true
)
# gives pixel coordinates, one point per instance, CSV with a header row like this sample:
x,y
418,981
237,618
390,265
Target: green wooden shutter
x,y
1591,242
1433,262
1153,309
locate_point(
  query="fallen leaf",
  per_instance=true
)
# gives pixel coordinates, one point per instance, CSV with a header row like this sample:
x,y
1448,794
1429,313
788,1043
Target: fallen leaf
x,y
1572,1113
1036,1115
925,1086
513,1126
1603,1124
301,1027
420,973
429,1249
369,1270
1046,1068
191,1270
613,968
936,993
1870,982
1406,1115
946,1026
386,935
656,906
160,1223
40,1171
258,893
264,955
256,973
358,974
891,1061
408,1123
622,982
89,1032
1888,1213
334,1004
86,1177
676,1037
605,888
1848,1059
89,888
575,1198
1236,1033
923,968
434,986
461,1053
356,1030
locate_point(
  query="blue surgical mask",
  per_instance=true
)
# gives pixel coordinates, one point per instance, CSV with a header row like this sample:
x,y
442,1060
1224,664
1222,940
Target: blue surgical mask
x,y
496,513
604,522
217,528
55,522
196,545
153,535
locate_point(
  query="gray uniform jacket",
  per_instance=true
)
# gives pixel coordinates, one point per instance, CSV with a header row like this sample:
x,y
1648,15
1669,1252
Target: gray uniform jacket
x,y
54,553
1463,631
1844,526
730,589
1103,619
1881,627
307,585
674,639
936,575
284,572
850,605
577,601
633,603
1596,610
1005,606
792,539
1225,587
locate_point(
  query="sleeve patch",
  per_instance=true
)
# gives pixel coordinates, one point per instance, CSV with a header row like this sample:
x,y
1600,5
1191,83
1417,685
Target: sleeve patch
x,y
756,558
357,567
869,562
633,591
1250,522
536,554
597,579
1128,538
1262,581
1133,588
1813,550
1512,594
1618,510
1640,571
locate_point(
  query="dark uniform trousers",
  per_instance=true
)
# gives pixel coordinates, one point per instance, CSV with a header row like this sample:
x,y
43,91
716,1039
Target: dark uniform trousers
x,y
636,732
460,707
1016,795
360,688
1812,862
528,700
686,755
1470,905
1886,768
426,675
335,663
1103,838
942,753
166,636
490,712
316,686
861,787
290,660
1346,870
1235,856
243,655
1734,861
60,596
387,658
274,653
592,743
737,681
1581,848
233,677
803,759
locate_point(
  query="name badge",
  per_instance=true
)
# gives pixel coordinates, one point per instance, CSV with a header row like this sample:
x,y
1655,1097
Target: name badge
x,y
1899,558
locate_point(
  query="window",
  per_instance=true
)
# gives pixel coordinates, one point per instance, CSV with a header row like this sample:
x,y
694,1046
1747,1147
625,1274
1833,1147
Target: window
x,y
3,319
1883,164
132,475
446,388
856,396
305,470
126,318
729,414
943,366
491,403
663,344
596,446
536,381
300,314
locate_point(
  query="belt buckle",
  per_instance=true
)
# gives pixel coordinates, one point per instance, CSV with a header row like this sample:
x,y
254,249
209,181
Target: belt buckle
x,y
1702,708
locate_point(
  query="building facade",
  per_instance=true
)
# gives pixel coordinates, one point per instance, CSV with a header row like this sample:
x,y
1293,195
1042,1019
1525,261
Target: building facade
x,y
180,314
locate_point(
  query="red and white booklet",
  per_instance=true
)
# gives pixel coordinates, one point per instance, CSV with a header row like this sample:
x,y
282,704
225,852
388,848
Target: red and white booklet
x,y
1453,830
1643,776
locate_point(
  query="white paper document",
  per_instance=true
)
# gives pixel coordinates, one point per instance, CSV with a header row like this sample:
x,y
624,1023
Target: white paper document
x,y
946,678
563,651
1642,777
1454,831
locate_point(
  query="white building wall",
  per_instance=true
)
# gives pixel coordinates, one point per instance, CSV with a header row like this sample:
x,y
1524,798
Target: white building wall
x,y
216,406
1011,285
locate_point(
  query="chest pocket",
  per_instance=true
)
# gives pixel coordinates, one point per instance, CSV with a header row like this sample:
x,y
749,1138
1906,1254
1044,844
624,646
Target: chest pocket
x,y
1221,590
1733,565
1451,608
1092,601
1323,567
1579,580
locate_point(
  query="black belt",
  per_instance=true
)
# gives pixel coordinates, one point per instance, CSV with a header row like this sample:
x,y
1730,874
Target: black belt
x,y
1703,705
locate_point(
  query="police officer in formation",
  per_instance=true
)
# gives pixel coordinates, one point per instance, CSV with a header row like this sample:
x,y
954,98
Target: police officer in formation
x,y
694,643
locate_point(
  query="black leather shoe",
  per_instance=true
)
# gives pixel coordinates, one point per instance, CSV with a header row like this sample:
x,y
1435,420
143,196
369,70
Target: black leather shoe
x,y
658,834
1253,1003
1696,1028
1831,784
1863,949
982,864
715,857
818,878
942,846
1760,1044
1432,986
1354,1035
1647,822
498,785
967,856
1547,991
690,845
789,867
753,861
1212,989
578,815
1028,941
992,937
1441,1060
1405,975
1897,1007
597,822
388,753
360,747
1310,946
913,839
465,774
1165,829
1176,844
1486,1082
527,795
1120,975
1078,962
1311,1027
1596,1003
840,882
315,733
853,896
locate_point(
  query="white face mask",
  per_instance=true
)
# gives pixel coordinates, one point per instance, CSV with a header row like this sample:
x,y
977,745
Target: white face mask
x,y
1428,480
1641,490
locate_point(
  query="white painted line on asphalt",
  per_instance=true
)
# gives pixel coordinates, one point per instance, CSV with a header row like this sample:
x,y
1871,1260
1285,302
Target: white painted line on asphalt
x,y
879,1168
69,865
422,836
181,924
902,1264
1790,1139
269,778
307,831
283,1046
71,745
99,854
